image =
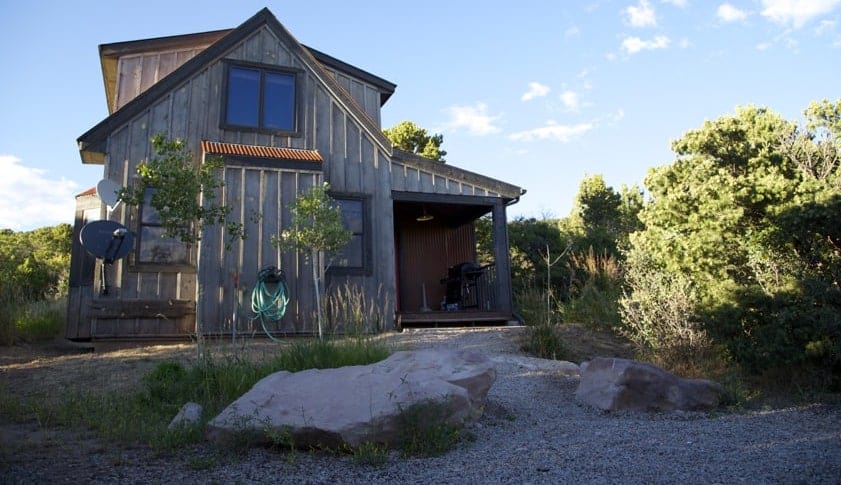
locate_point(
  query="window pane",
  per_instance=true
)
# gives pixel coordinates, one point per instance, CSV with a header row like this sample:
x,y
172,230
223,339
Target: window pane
x,y
243,96
279,101
148,215
351,255
352,216
157,249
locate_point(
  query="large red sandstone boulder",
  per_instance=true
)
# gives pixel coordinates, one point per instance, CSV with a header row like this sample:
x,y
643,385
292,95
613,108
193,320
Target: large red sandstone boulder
x,y
357,404
620,384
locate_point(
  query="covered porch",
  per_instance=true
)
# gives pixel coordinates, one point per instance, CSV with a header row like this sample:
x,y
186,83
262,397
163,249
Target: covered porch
x,y
441,280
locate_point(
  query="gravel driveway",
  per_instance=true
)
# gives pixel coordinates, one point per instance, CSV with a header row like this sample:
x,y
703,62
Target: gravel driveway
x,y
532,431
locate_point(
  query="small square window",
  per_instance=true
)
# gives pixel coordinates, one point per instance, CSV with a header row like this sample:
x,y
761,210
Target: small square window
x,y
261,99
152,246
354,257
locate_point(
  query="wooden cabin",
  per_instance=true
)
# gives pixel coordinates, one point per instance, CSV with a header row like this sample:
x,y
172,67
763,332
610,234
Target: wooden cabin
x,y
283,117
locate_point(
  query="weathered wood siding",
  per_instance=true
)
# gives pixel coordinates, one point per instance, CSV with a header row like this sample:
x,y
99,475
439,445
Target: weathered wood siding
x,y
353,163
137,72
406,177
366,95
268,192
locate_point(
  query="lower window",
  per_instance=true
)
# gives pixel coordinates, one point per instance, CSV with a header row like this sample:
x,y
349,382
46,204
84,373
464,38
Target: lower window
x,y
353,258
152,246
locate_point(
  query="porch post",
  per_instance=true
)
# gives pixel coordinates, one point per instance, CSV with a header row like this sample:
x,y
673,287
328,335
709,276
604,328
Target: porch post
x,y
501,257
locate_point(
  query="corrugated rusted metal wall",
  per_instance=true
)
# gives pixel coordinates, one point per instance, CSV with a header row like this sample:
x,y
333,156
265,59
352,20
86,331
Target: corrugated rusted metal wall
x,y
426,251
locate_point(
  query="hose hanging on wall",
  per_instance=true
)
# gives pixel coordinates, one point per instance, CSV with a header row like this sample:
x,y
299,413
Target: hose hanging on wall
x,y
269,297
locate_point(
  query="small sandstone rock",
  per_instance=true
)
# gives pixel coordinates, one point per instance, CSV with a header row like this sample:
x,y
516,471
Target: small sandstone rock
x,y
189,414
620,384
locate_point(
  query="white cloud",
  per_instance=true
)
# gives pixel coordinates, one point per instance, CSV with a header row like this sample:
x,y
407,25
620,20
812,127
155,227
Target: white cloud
x,y
573,31
473,118
632,45
763,46
825,27
536,90
641,15
796,13
729,13
677,3
30,199
570,100
552,131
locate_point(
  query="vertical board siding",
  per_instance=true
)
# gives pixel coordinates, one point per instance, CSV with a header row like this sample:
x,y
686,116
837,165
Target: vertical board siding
x,y
137,73
267,192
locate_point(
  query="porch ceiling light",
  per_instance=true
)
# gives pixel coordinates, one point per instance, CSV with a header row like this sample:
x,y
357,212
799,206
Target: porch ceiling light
x,y
425,216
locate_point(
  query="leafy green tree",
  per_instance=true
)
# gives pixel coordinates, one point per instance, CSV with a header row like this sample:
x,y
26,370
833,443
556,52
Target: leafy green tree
x,y
748,213
184,191
184,197
316,227
412,138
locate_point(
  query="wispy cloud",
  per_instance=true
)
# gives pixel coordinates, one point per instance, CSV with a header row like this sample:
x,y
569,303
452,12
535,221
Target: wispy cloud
x,y
570,100
633,45
641,15
677,3
475,119
572,31
796,13
536,90
552,131
728,13
30,199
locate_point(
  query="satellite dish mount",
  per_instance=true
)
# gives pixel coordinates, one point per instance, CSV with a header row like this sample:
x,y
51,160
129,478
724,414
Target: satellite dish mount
x,y
108,241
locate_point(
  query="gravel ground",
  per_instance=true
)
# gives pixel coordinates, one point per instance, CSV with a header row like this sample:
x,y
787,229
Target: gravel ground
x,y
533,431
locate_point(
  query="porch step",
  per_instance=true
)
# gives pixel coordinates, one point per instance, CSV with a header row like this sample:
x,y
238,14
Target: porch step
x,y
454,319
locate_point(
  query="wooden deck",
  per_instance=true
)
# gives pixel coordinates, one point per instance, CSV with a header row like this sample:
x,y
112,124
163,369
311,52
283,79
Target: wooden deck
x,y
461,318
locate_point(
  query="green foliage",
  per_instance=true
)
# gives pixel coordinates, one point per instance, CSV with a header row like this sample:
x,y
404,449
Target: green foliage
x,y
412,138
41,320
658,314
184,192
424,430
741,237
317,227
34,271
542,338
316,223
142,415
35,265
326,354
349,309
370,454
595,288
603,217
528,240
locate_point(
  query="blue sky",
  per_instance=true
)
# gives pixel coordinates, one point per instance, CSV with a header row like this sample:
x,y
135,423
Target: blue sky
x,y
536,93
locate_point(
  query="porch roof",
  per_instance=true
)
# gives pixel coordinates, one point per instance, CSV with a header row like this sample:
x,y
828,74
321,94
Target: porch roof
x,y
220,148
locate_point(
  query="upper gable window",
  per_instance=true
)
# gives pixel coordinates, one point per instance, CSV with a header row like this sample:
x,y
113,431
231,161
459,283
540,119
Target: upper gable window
x,y
260,98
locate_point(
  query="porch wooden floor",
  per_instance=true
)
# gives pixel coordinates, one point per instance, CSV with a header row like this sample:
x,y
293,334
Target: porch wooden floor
x,y
461,318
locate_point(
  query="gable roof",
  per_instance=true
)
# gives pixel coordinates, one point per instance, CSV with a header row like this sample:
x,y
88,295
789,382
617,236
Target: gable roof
x,y
110,54
92,143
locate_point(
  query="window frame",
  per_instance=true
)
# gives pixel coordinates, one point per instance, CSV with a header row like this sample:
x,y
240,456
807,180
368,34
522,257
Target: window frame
x,y
366,268
263,68
162,267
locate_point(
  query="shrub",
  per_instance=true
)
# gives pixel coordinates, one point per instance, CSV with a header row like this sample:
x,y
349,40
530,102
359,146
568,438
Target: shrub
x,y
798,329
658,314
596,286
542,338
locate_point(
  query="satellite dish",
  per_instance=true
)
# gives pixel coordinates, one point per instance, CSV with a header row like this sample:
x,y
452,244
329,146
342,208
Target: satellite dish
x,y
107,240
107,191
